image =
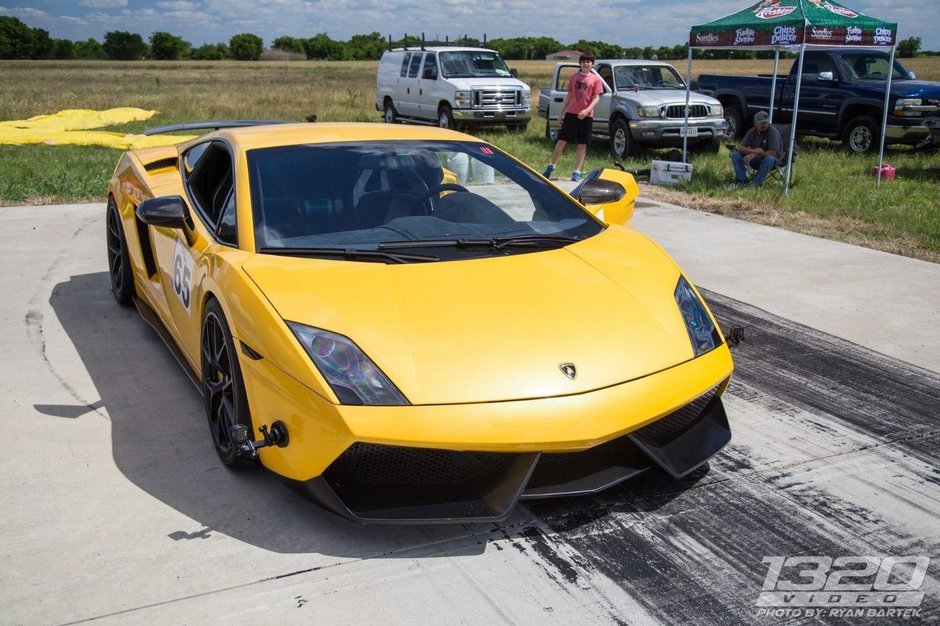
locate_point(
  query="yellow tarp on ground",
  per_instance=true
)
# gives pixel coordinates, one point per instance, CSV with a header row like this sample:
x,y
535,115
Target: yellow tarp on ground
x,y
75,127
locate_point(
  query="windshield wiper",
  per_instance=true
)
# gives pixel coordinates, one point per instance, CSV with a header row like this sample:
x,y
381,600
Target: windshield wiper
x,y
351,254
494,243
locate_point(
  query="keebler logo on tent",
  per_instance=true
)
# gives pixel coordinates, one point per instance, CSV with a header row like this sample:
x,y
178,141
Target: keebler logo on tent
x,y
840,10
769,13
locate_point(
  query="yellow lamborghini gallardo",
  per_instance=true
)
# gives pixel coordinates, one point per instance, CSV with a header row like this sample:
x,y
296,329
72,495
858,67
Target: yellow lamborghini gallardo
x,y
411,325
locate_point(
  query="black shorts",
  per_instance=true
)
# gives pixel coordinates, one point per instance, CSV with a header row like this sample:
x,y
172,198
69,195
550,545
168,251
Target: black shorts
x,y
574,130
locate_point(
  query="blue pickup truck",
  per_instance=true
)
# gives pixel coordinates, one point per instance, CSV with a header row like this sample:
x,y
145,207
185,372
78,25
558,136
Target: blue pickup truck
x,y
841,98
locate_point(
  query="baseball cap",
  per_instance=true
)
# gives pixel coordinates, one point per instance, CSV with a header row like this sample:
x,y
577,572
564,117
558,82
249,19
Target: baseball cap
x,y
761,116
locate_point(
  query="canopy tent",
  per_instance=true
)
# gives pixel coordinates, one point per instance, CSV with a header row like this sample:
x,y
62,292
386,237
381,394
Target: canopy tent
x,y
794,25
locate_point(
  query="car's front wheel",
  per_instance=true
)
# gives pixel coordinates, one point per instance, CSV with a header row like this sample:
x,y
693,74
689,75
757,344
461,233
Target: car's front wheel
x,y
861,134
119,265
621,143
445,117
222,386
734,122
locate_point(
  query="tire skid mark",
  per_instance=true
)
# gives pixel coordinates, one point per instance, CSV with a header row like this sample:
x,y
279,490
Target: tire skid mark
x,y
862,438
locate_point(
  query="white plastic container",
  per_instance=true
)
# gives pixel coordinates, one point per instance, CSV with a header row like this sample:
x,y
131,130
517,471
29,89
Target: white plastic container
x,y
670,172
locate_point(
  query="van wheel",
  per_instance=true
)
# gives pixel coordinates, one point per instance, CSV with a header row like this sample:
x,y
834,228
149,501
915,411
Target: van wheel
x,y
734,120
391,115
621,143
861,134
445,117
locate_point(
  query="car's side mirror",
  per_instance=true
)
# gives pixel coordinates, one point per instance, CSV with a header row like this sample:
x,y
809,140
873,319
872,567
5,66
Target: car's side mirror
x,y
912,75
514,72
609,194
825,77
166,212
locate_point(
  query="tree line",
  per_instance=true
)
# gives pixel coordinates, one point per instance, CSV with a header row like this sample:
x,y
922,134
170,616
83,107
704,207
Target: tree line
x,y
19,41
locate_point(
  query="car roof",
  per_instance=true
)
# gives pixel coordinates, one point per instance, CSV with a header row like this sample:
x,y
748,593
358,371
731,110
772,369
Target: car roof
x,y
442,49
633,62
273,135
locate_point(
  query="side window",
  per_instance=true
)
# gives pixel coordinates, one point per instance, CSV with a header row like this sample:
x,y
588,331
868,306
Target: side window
x,y
211,187
404,64
607,74
430,66
815,65
415,65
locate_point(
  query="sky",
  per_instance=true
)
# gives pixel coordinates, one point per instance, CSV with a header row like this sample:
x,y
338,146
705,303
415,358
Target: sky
x,y
624,22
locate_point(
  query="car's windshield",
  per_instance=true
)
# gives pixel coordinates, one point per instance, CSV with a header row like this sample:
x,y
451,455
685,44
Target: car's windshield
x,y
871,67
458,199
473,64
628,77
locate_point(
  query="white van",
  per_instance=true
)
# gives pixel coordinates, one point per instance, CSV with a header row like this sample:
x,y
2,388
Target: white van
x,y
450,86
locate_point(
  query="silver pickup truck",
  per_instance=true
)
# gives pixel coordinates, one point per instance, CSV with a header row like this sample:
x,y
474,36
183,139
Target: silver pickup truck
x,y
643,105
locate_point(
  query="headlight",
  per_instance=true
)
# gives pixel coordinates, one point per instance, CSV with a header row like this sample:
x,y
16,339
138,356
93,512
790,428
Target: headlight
x,y
702,332
354,378
648,111
527,97
463,99
715,110
900,107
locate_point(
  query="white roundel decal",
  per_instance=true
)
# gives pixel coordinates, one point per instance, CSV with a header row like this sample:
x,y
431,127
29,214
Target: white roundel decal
x,y
183,274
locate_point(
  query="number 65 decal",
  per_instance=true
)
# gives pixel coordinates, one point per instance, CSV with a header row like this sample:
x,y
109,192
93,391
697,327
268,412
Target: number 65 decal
x,y
183,274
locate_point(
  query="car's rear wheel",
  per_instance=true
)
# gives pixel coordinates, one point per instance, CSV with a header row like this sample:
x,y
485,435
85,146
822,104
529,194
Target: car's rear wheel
x,y
222,386
391,115
551,132
119,265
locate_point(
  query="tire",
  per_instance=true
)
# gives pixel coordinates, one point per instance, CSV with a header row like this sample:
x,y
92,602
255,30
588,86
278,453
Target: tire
x,y
222,386
119,264
861,135
621,143
734,119
551,132
445,117
391,115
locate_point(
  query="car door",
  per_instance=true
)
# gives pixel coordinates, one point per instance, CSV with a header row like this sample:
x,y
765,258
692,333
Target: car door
x,y
427,87
820,97
409,85
183,256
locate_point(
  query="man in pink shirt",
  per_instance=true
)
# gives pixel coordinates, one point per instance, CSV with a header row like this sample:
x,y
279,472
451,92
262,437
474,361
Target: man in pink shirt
x,y
584,91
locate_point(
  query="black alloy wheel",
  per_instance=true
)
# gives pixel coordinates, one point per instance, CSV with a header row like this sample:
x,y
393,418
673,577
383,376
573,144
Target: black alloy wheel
x,y
223,389
119,265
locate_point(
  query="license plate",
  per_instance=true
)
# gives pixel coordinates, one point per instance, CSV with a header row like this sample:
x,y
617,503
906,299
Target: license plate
x,y
691,131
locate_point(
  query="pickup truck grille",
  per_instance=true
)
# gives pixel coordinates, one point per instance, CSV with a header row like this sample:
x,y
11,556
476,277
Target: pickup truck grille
x,y
677,111
496,98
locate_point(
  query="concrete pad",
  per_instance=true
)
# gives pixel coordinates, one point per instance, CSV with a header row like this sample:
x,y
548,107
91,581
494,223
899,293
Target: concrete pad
x,y
115,508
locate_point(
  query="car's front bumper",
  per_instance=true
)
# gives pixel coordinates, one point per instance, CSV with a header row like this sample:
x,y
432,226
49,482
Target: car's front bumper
x,y
492,116
668,133
472,462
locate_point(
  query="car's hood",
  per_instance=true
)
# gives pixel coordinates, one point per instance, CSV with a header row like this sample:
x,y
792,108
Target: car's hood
x,y
659,97
495,329
488,82
915,89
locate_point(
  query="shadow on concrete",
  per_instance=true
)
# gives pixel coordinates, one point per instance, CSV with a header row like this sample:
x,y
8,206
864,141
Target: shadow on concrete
x,y
161,443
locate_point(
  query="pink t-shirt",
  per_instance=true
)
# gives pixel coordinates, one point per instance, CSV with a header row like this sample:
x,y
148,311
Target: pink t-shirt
x,y
581,91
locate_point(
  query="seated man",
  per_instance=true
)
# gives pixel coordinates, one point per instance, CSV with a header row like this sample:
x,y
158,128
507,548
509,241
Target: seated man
x,y
759,150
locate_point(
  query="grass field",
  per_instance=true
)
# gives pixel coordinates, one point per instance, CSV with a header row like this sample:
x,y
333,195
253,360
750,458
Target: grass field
x,y
834,195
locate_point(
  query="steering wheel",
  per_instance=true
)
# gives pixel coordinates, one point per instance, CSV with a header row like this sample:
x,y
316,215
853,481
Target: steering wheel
x,y
436,189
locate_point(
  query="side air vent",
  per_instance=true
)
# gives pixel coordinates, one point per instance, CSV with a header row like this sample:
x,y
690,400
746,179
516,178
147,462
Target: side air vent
x,y
162,163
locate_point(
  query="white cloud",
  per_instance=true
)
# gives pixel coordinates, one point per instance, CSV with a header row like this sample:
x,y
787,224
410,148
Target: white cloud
x,y
103,4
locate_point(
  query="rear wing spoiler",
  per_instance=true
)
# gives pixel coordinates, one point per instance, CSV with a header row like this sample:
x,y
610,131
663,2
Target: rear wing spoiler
x,y
217,124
